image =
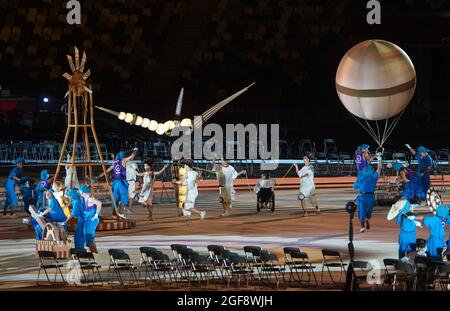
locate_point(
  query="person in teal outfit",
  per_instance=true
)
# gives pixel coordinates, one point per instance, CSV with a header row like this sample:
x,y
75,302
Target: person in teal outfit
x,y
77,212
92,208
52,209
425,166
13,179
366,197
408,229
436,225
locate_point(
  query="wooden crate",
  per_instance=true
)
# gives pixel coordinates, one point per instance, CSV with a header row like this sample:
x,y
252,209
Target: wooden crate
x,y
60,248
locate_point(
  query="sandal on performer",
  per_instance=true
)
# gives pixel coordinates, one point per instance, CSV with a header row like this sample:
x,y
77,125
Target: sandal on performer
x,y
318,209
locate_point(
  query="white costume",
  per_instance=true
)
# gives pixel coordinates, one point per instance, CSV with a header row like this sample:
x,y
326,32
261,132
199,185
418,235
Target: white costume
x,y
307,186
131,171
226,178
147,187
75,182
264,183
192,192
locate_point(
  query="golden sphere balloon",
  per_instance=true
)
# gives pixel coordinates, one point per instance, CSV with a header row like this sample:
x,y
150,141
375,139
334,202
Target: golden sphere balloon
x,y
375,80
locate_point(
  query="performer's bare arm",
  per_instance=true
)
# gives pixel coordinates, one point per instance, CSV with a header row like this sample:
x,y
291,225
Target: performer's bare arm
x,y
107,171
414,152
240,173
161,170
15,178
130,158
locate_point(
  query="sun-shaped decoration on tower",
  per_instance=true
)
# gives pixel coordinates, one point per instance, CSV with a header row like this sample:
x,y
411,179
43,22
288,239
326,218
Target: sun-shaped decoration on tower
x,y
77,80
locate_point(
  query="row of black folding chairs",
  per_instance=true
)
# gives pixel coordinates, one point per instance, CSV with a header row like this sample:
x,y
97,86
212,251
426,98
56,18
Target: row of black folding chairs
x,y
220,266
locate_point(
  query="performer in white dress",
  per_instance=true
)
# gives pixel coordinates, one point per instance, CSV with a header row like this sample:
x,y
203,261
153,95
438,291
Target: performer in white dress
x,y
307,187
69,171
131,172
226,174
146,194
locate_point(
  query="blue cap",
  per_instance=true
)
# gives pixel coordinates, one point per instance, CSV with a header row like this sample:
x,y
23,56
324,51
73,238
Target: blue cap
x,y
442,211
422,149
120,155
19,160
73,194
84,189
45,175
363,146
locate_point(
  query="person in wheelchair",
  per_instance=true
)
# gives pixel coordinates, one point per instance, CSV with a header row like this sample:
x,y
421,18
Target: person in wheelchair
x,y
265,191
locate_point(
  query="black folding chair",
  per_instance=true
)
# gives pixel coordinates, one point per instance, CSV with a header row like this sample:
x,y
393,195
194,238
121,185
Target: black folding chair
x,y
120,263
163,267
146,263
216,255
48,260
299,264
239,269
390,272
443,276
253,255
405,275
332,259
87,263
202,269
271,267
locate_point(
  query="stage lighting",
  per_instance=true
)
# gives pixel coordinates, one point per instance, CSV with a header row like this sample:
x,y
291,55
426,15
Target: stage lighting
x,y
122,115
161,129
45,100
153,125
129,118
139,121
145,123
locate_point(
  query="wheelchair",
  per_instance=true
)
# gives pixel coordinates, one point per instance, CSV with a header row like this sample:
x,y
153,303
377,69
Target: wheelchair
x,y
265,199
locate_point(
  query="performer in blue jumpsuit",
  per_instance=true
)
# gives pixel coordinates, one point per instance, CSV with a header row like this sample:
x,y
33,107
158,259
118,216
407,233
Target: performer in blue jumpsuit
x,y
361,160
52,209
119,184
366,198
10,186
412,189
408,229
425,165
44,185
436,225
29,194
77,212
92,208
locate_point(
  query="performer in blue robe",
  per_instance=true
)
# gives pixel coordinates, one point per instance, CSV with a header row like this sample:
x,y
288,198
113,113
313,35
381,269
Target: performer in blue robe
x,y
29,194
10,186
366,197
408,229
92,208
412,189
425,166
362,159
77,212
436,226
120,183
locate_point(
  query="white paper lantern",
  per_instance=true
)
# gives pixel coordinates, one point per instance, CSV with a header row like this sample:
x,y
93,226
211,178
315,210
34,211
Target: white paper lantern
x,y
129,118
153,125
145,122
161,129
139,120
122,115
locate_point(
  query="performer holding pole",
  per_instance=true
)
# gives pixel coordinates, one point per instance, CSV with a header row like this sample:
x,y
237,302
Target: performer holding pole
x,y
226,174
425,165
10,186
362,159
120,184
307,186
146,194
366,198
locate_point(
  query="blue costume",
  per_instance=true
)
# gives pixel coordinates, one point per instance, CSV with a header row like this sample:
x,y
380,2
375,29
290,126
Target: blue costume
x,y
413,189
43,186
119,184
425,165
29,193
90,221
10,185
78,213
361,163
407,236
366,198
56,213
436,225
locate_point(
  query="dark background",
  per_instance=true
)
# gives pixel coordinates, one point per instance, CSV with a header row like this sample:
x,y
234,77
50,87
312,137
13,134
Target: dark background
x,y
142,52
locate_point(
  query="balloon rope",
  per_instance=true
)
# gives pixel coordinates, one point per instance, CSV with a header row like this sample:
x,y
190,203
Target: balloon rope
x,y
378,130
362,125
394,124
386,123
